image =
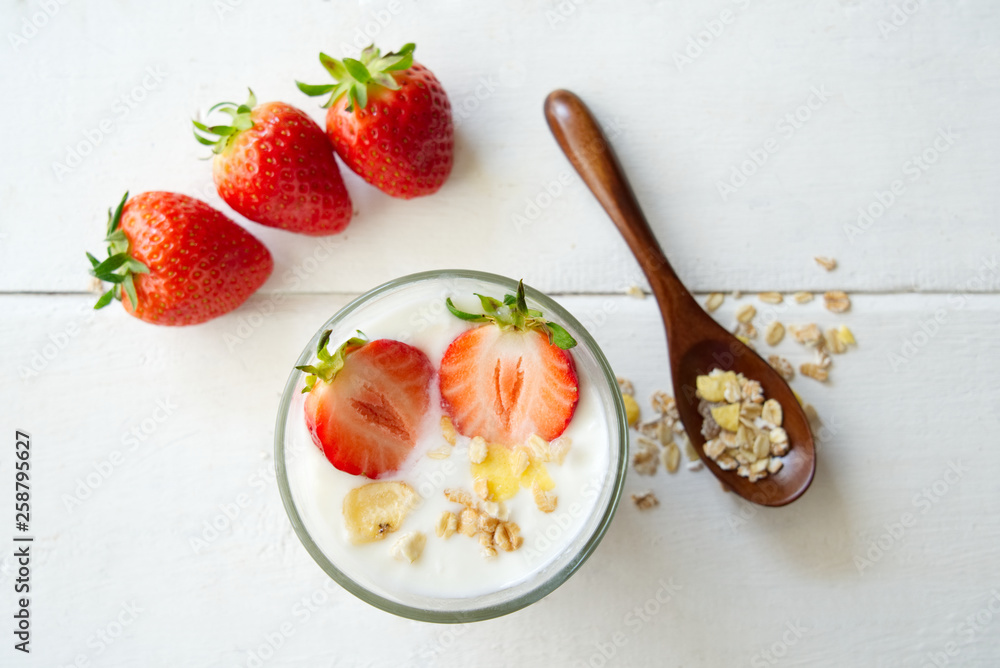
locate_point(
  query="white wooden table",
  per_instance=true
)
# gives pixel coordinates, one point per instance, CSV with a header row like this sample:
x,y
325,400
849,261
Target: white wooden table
x,y
146,437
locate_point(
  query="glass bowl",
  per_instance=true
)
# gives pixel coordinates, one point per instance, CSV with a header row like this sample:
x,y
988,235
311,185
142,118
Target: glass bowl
x,y
551,571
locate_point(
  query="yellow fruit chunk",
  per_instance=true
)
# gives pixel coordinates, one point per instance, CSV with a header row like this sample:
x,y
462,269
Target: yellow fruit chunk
x,y
712,388
498,470
846,336
728,416
373,511
631,409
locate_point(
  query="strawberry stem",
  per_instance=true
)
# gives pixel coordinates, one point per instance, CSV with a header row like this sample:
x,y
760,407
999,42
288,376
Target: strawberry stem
x,y
328,366
513,313
219,137
355,77
119,267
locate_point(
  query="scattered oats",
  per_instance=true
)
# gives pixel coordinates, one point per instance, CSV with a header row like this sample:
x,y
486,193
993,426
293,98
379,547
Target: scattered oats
x,y
771,412
774,465
695,465
770,297
774,333
520,462
746,313
447,525
488,551
782,366
497,509
671,458
507,536
710,428
690,452
409,546
731,391
545,501
726,463
714,301
714,448
448,430
827,263
645,500
745,331
468,522
750,411
644,460
625,386
481,487
95,285
478,450
514,532
761,447
635,291
737,294
760,465
808,335
487,524
743,471
837,301
664,404
743,438
539,448
440,452
459,496
779,442
651,430
753,392
631,409
747,342
833,342
803,297
823,361
559,448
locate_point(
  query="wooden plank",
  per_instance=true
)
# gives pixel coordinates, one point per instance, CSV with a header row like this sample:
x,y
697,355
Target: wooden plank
x,y
190,412
512,207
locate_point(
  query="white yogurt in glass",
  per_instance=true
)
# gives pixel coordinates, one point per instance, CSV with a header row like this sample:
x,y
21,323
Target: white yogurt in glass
x,y
454,567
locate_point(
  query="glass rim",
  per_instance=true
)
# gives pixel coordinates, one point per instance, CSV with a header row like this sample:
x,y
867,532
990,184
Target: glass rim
x,y
553,580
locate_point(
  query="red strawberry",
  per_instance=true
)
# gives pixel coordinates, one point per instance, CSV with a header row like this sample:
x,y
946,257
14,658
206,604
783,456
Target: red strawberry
x,y
389,120
507,380
366,402
275,166
174,260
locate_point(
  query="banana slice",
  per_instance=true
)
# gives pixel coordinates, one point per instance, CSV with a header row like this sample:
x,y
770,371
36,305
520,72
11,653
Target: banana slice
x,y
373,511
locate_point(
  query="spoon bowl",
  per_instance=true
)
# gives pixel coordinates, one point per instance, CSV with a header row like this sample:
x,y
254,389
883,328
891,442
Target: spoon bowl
x,y
696,343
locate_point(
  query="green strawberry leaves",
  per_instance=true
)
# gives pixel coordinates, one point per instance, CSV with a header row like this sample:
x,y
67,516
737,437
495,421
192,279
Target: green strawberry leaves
x,y
329,365
513,313
220,136
353,77
119,267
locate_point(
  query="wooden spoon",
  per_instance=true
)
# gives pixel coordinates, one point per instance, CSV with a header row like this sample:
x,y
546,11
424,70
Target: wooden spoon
x,y
696,343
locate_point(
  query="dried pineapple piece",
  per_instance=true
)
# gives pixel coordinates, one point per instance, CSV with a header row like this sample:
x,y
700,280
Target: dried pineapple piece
x,y
728,417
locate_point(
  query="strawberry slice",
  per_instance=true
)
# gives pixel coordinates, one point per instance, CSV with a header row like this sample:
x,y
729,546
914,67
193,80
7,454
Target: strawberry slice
x,y
511,377
366,403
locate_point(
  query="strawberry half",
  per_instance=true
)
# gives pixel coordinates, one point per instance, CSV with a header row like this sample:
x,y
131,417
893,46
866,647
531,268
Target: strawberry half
x,y
275,166
389,120
512,377
366,403
174,260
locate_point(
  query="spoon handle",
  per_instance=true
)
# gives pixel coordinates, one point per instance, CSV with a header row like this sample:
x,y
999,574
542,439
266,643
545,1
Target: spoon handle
x,y
581,139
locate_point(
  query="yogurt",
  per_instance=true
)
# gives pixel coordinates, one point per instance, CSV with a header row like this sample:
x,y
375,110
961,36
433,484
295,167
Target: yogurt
x,y
453,567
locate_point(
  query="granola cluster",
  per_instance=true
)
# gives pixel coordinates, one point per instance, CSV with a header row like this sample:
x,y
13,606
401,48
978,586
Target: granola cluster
x,y
742,429
489,522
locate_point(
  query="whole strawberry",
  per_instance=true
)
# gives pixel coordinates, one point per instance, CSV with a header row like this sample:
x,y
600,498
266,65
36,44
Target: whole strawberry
x,y
390,120
174,260
275,166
